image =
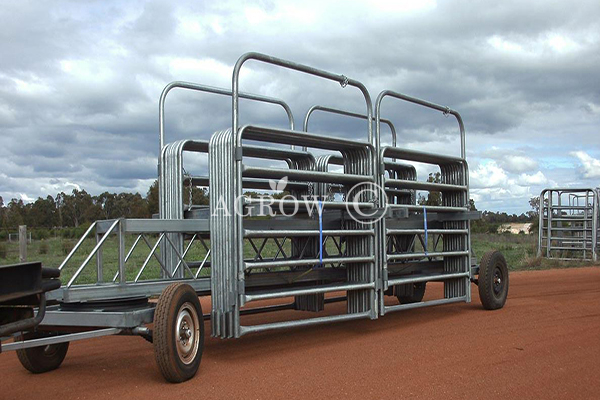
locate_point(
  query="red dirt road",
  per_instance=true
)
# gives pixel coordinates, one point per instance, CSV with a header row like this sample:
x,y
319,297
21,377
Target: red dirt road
x,y
544,344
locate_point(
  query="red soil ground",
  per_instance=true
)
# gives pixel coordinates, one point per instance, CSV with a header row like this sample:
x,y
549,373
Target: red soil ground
x,y
545,343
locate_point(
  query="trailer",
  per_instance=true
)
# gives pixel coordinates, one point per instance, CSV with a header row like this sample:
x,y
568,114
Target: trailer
x,y
344,225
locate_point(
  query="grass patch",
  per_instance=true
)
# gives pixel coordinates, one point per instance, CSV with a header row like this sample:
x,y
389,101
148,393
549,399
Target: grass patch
x,y
520,252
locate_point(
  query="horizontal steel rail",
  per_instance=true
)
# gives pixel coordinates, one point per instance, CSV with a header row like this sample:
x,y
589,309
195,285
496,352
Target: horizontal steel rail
x,y
431,231
248,183
275,294
408,256
122,319
283,136
438,302
245,329
250,233
307,261
314,176
440,209
404,184
555,248
428,278
309,204
50,340
422,157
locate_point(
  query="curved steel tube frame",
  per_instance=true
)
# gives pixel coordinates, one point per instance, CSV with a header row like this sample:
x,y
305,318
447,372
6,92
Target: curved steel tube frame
x,y
237,250
214,90
348,114
206,89
414,100
452,294
163,212
546,209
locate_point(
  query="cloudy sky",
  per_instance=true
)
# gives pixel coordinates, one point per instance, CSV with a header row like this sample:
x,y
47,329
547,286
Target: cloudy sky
x,y
80,82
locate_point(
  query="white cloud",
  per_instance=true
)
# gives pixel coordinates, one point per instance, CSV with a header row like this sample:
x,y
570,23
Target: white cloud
x,y
402,6
25,198
518,164
562,43
499,43
590,166
488,175
494,187
79,88
535,179
73,185
512,160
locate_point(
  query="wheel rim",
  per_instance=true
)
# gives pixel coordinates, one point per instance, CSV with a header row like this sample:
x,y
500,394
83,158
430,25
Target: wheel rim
x,y
498,280
50,350
187,333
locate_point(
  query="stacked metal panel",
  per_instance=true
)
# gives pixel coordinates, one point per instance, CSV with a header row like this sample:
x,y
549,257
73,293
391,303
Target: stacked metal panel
x,y
223,233
171,204
413,232
230,267
569,224
312,244
171,179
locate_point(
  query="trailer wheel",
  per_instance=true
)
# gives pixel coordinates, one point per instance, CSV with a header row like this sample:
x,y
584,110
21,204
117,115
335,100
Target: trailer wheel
x,y
178,335
42,358
493,280
417,296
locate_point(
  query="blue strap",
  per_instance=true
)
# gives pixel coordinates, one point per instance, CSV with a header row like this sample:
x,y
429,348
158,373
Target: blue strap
x,y
425,227
320,211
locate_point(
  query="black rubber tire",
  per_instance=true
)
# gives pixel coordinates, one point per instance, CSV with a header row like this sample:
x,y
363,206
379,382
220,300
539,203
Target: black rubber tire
x,y
42,358
170,303
493,280
418,293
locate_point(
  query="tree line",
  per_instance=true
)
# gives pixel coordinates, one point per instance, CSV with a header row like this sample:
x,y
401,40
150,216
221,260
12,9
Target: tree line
x,y
79,208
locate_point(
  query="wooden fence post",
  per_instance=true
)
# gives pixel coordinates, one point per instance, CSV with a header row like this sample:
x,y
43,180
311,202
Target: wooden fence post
x,y
22,243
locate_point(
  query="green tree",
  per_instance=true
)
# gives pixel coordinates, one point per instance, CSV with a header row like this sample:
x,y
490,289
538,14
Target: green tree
x,y
15,213
152,198
534,203
106,203
472,205
534,214
433,198
79,207
129,205
42,213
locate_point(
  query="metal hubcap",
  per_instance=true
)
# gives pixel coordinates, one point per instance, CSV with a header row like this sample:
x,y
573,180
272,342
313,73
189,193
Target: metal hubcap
x,y
50,350
498,280
187,333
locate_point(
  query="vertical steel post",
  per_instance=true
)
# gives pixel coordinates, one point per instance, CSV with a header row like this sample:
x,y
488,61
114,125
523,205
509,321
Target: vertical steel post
x,y
595,226
585,224
121,239
541,223
549,228
99,271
